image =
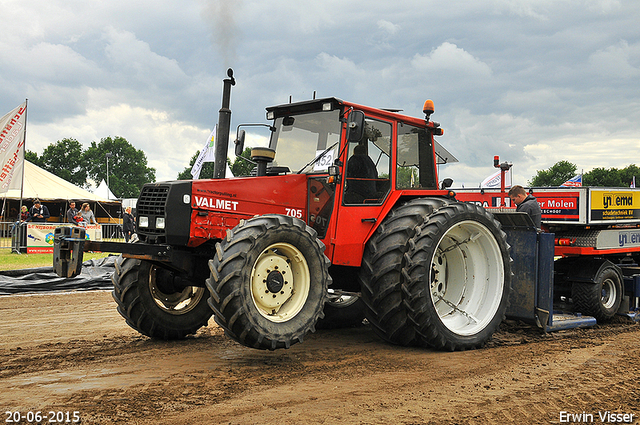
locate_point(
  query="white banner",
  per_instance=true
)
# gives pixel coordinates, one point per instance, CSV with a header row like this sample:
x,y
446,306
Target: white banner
x,y
494,179
40,236
207,154
12,130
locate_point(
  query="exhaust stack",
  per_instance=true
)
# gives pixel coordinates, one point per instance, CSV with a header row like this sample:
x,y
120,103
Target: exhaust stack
x,y
224,127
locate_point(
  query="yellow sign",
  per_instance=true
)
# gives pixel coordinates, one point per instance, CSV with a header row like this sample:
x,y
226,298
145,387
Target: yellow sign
x,y
614,204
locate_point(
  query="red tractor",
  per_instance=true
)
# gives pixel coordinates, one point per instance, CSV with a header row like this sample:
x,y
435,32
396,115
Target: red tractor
x,y
342,217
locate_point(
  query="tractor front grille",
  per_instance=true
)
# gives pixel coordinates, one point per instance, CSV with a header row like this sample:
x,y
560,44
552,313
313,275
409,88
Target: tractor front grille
x,y
152,203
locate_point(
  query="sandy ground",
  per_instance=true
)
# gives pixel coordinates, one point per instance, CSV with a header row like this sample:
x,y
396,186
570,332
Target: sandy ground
x,y
72,352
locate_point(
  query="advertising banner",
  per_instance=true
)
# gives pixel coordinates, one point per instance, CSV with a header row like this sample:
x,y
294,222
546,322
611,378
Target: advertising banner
x,y
559,206
12,131
40,236
608,204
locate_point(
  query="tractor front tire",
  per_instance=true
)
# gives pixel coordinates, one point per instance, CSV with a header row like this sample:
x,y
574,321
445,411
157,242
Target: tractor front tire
x,y
457,277
269,281
151,309
381,271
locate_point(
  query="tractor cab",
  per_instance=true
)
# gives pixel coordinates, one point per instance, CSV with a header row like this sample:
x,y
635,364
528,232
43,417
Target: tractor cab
x,y
359,162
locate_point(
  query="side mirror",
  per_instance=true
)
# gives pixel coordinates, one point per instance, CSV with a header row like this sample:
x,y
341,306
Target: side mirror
x,y
446,183
355,126
239,142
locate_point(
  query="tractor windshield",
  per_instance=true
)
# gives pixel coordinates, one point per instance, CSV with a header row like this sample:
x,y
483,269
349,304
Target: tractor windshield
x,y
307,143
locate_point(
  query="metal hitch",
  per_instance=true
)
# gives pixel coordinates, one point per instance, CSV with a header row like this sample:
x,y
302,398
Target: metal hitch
x,y
68,250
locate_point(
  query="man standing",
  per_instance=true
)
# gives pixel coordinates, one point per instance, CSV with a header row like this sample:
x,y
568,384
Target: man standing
x,y
71,212
39,213
526,203
128,224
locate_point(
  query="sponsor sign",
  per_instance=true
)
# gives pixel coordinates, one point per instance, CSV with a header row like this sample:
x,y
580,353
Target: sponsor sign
x,y
559,206
622,238
614,205
40,236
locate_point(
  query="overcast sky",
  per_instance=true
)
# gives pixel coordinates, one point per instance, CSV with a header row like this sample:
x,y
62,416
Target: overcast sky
x,y
535,81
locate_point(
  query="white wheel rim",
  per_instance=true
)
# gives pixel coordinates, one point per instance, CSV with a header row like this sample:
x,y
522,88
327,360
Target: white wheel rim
x,y
608,297
176,303
467,278
280,282
341,300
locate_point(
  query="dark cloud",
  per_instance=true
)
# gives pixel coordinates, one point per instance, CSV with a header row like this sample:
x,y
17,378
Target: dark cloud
x,y
529,81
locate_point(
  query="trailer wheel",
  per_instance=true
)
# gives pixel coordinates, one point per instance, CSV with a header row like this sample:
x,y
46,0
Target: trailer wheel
x,y
457,277
342,311
148,303
269,282
600,299
381,271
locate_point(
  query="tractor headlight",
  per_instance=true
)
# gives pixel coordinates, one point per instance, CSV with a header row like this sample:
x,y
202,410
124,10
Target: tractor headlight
x,y
159,222
143,221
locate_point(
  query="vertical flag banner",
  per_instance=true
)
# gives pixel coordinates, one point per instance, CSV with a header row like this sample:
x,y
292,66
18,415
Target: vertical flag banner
x,y
12,131
206,154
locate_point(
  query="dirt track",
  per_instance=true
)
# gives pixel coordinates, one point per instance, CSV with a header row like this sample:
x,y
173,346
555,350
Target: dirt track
x,y
73,352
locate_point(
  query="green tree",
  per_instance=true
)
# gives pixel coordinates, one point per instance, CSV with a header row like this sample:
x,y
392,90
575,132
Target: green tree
x,y
205,173
602,177
240,167
628,173
557,174
65,159
128,170
32,157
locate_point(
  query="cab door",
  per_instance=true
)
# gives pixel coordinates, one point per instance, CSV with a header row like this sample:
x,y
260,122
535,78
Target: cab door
x,y
364,187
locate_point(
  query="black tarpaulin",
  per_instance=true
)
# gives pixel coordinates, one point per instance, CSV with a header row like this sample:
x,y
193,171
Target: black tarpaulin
x,y
96,274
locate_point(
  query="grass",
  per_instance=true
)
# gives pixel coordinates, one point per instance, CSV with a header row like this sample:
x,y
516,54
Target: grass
x,y
12,261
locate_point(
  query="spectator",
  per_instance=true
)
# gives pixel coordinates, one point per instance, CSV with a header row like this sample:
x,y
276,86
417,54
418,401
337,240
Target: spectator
x,y
39,213
23,217
128,224
71,212
24,214
87,214
78,219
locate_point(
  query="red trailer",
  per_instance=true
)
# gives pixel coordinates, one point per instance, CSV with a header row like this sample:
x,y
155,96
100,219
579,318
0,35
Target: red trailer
x,y
597,243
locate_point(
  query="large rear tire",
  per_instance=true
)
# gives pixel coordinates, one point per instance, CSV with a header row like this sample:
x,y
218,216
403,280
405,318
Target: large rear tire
x,y
602,298
269,282
381,271
458,277
144,300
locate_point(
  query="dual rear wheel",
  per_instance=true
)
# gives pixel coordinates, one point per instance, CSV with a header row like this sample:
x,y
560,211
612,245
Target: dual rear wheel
x,y
442,278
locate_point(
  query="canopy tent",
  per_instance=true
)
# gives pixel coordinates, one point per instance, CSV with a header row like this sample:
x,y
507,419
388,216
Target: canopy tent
x,y
103,191
43,185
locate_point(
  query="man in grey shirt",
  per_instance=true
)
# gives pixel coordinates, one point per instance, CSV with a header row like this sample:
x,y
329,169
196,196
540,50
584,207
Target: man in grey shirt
x,y
526,203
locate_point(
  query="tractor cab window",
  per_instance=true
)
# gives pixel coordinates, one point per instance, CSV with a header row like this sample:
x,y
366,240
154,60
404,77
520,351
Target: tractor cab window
x,y
415,162
307,143
368,165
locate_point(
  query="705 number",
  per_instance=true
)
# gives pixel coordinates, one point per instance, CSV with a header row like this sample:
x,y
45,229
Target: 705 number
x,y
292,212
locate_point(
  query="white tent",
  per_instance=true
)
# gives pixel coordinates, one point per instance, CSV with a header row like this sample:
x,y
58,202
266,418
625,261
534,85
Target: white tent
x,y
43,185
103,191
